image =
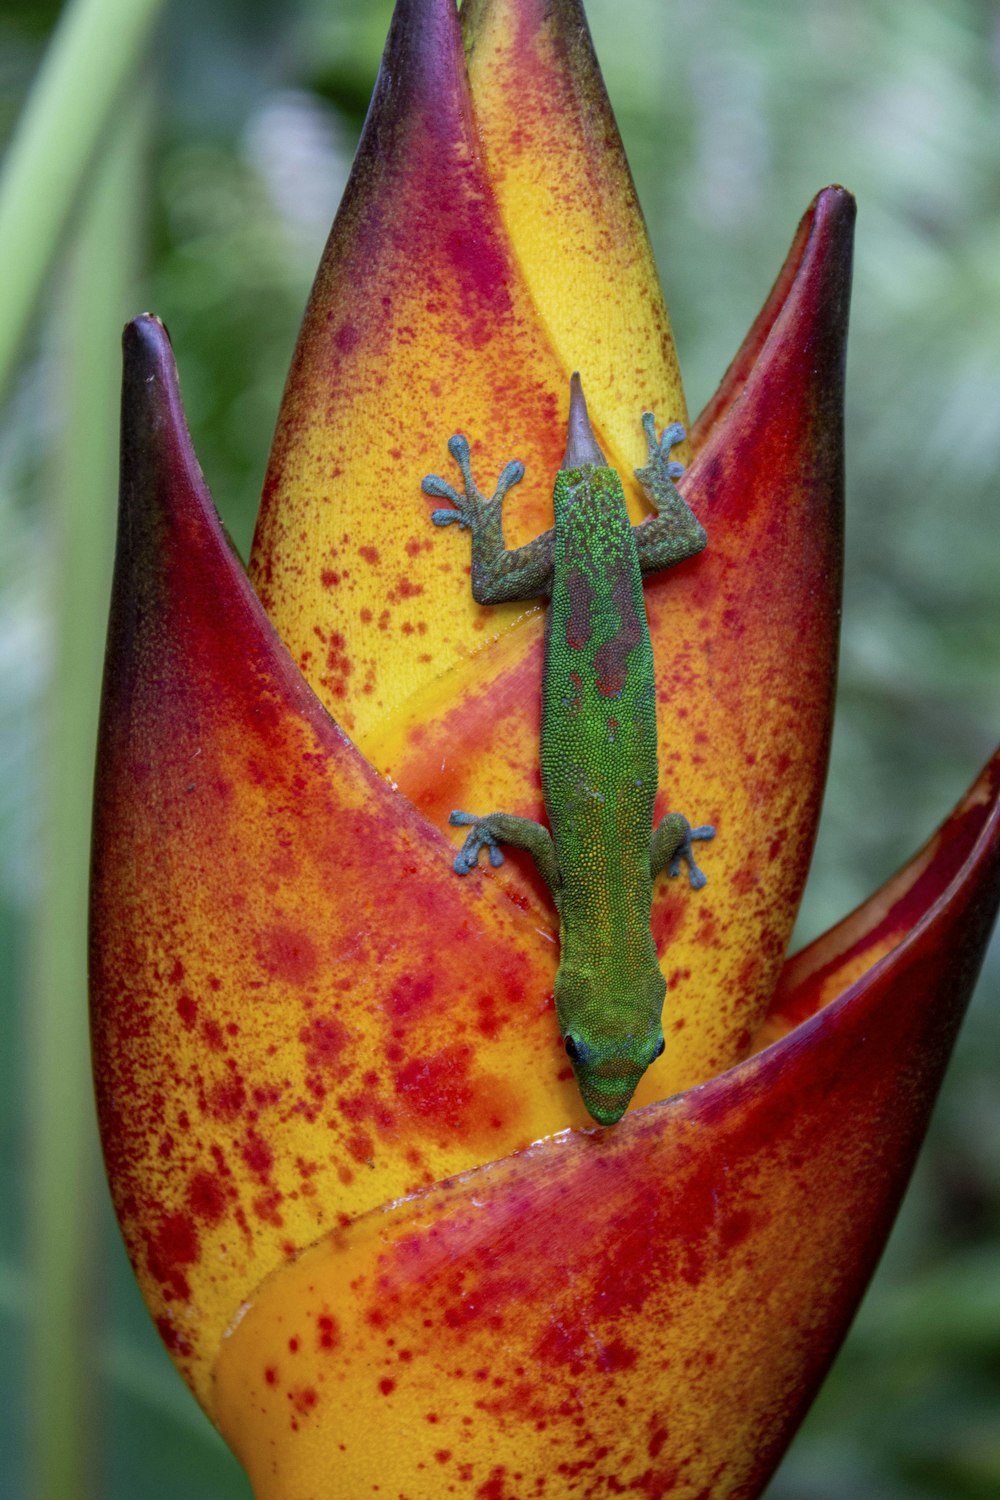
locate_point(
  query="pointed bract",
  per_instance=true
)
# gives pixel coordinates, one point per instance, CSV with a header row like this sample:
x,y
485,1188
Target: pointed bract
x,y
419,326
363,1199
894,915
646,1311
299,1012
569,205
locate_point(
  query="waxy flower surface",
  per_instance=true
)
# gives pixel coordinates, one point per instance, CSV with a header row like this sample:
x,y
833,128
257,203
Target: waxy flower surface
x,y
369,1213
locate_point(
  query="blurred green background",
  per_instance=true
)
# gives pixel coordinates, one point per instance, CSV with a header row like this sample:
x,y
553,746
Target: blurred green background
x,y
210,202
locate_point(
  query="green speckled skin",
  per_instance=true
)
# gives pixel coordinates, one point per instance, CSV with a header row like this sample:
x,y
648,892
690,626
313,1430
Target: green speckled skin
x,y
599,769
598,743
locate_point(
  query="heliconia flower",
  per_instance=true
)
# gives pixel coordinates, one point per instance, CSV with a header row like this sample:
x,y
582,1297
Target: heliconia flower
x,y
373,1222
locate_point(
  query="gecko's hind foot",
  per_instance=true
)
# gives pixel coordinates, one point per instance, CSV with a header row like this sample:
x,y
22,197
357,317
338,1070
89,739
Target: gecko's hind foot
x,y
658,460
471,507
433,484
480,837
685,855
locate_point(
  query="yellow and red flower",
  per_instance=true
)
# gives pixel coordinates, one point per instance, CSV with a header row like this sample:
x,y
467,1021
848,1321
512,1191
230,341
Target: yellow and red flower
x,y
366,1207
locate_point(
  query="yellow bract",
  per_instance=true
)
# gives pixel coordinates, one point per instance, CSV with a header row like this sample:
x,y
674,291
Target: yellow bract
x,y
568,205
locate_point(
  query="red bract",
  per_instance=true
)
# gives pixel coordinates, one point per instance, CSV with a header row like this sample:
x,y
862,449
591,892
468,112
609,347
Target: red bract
x,y
361,1194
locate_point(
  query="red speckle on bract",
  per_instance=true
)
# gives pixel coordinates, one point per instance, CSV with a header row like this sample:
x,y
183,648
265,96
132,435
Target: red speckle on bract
x,y
266,1208
271,1375
495,1487
488,1022
360,1146
656,1441
325,1039
288,954
337,660
746,879
257,1154
667,921
438,1085
187,1009
410,995
303,1400
387,1385
174,1245
405,589
227,1098
481,265
347,337
734,1230
207,1197
327,1332
617,1356
562,1345
212,1035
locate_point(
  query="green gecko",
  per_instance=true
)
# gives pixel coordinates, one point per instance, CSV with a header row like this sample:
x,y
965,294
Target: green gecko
x,y
598,739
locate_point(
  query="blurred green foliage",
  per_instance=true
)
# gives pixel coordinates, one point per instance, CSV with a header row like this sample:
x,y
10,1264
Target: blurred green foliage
x,y
734,113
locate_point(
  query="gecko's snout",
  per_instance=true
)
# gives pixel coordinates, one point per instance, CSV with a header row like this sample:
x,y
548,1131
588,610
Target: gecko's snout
x,y
606,1084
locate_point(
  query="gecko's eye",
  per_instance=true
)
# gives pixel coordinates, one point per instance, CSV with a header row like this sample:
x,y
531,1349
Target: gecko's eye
x,y
660,1049
576,1051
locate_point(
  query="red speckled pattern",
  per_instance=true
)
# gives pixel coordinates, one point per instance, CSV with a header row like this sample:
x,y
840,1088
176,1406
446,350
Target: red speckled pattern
x,y
647,1311
568,205
299,1011
365,1205
419,326
426,319
827,966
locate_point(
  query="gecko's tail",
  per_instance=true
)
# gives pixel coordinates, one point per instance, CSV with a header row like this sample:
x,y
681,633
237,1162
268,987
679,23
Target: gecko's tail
x,y
581,445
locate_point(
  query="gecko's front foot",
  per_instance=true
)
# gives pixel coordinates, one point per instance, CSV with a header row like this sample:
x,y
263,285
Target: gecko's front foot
x,y
671,847
685,854
481,836
471,509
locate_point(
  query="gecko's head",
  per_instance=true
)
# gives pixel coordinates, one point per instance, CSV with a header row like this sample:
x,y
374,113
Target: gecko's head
x,y
611,1040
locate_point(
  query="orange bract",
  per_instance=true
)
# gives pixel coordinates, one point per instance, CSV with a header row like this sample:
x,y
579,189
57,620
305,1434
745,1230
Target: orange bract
x,y
300,1012
566,200
644,1311
367,1209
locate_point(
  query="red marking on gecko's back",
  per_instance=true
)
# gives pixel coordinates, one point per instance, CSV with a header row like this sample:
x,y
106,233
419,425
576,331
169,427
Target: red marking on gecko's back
x,y
611,659
581,596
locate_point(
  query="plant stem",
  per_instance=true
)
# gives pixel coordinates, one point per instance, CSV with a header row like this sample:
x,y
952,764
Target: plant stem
x,y
95,51
65,1178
